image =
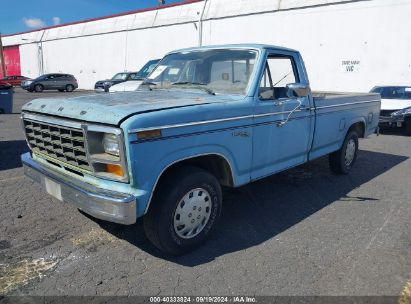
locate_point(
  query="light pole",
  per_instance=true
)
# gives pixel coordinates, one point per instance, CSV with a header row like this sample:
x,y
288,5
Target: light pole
x,y
40,51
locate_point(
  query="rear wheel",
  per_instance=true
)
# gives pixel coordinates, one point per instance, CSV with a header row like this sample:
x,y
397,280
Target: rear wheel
x,y
342,161
69,88
184,211
38,88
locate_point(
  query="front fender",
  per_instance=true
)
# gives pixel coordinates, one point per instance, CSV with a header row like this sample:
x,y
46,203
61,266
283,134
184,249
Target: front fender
x,y
148,170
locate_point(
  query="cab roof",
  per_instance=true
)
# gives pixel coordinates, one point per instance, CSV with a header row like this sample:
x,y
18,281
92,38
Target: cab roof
x,y
239,46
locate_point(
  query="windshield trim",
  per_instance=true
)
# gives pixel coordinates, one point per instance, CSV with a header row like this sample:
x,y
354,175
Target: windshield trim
x,y
254,74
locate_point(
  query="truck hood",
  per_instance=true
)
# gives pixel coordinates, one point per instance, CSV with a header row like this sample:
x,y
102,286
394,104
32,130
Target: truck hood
x,y
395,104
112,108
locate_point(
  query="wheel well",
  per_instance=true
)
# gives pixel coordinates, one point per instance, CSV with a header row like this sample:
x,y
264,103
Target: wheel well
x,y
215,164
359,127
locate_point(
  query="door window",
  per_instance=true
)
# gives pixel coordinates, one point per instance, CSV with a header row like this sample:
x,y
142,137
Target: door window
x,y
279,71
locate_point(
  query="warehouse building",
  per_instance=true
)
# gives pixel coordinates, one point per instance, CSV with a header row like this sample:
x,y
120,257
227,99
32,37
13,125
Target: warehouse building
x,y
347,45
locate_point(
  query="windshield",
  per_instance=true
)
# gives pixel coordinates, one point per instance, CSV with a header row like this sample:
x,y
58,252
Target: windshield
x,y
147,69
215,71
120,76
394,92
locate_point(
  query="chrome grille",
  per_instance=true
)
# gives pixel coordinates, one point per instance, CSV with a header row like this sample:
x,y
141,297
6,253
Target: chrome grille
x,y
59,142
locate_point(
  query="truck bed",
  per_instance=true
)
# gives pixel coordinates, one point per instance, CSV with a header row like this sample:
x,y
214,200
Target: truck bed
x,y
324,97
335,112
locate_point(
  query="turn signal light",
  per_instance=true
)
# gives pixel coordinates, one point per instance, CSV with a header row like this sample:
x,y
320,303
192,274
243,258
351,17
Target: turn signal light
x,y
149,134
114,169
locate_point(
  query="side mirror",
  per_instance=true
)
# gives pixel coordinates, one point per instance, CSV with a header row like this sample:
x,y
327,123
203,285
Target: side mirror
x,y
295,90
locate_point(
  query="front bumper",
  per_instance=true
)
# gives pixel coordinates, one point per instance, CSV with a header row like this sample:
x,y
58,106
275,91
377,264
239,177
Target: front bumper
x,y
101,87
26,86
102,204
391,120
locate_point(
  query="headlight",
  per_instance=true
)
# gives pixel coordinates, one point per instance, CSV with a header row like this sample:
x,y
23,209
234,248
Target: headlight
x,y
111,144
397,113
106,152
402,112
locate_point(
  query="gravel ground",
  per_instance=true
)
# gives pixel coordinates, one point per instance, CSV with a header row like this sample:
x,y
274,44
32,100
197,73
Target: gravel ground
x,y
301,232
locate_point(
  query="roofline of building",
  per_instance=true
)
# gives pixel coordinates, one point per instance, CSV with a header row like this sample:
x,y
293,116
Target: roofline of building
x,y
107,17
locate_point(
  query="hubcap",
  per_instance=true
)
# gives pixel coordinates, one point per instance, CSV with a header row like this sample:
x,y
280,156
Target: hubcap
x,y
192,213
350,152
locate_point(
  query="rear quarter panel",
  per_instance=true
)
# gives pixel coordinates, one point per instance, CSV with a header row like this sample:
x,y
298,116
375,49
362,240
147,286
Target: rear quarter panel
x,y
336,113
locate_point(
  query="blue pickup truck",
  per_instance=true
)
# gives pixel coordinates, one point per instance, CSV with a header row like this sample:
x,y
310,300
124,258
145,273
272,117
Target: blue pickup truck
x,y
204,118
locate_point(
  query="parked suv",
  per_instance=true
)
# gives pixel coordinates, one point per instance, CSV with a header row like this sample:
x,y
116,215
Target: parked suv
x,y
60,82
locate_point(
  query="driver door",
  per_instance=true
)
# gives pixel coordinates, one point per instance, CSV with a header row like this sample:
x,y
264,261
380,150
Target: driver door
x,y
282,124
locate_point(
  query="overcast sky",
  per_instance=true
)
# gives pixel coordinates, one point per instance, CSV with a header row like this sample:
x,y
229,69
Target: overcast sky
x,y
24,15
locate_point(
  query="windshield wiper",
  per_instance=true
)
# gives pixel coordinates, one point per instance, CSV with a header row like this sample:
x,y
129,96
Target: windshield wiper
x,y
196,85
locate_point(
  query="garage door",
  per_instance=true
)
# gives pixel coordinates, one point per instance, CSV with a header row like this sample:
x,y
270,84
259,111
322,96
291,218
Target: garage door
x,y
12,60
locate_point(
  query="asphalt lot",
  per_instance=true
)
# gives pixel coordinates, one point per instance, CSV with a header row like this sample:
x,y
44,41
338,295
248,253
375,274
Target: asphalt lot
x,y
302,232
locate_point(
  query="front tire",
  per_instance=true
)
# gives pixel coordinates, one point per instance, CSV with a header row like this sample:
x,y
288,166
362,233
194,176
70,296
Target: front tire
x,y
184,210
342,161
38,88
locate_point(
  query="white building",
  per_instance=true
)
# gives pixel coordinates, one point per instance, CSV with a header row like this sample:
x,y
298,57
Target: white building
x,y
347,45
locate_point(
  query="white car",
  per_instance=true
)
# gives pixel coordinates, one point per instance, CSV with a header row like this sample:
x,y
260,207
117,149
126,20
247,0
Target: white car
x,y
135,81
395,106
127,86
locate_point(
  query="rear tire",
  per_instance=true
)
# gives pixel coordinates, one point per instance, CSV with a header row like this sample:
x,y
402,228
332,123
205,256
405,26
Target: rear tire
x,y
184,210
38,88
342,161
69,88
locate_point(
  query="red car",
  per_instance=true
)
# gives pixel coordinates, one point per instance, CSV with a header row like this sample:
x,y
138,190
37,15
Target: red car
x,y
4,85
14,80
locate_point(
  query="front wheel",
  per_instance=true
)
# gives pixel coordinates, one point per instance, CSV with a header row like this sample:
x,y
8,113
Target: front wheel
x,y
184,211
38,88
342,161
